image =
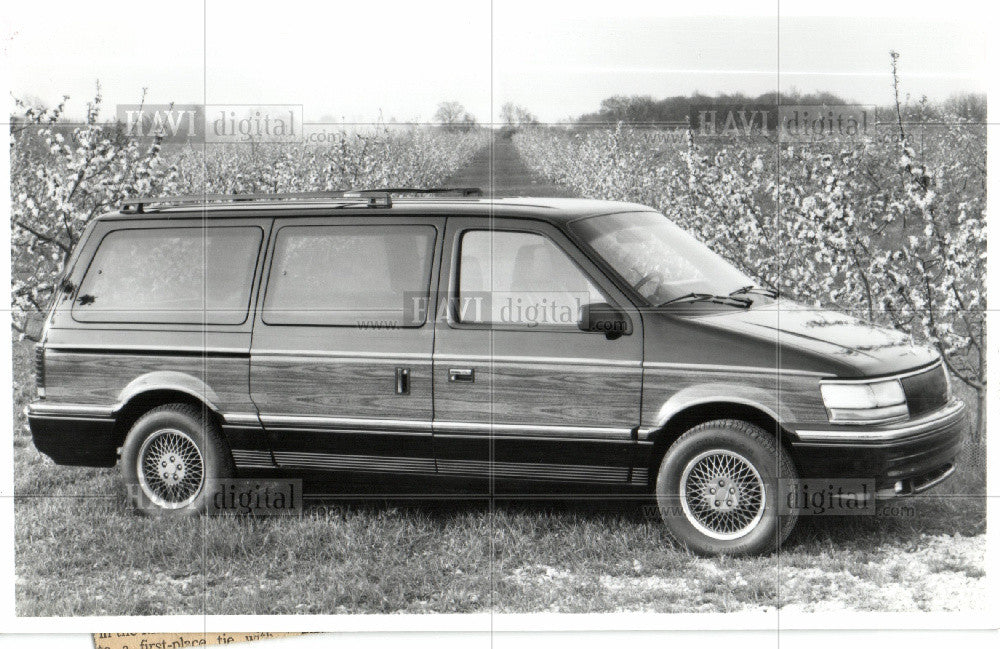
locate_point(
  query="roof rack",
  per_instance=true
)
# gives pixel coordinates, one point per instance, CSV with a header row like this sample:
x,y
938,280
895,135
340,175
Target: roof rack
x,y
461,191
137,205
386,193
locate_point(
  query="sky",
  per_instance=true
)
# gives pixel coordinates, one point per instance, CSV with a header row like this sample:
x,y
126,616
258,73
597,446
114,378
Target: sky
x,y
358,61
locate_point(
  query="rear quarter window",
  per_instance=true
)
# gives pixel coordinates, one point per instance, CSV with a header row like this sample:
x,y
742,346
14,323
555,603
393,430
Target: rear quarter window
x,y
187,275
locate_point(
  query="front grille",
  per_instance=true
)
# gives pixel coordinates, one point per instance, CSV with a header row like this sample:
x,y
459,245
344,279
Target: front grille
x,y
926,391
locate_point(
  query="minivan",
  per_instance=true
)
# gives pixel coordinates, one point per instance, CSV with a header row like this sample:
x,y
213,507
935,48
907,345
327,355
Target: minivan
x,y
514,341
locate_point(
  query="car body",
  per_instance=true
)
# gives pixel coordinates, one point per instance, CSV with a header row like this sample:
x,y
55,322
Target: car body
x,y
334,335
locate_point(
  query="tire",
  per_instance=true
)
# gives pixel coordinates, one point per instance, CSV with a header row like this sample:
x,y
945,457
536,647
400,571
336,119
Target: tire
x,y
189,455
740,461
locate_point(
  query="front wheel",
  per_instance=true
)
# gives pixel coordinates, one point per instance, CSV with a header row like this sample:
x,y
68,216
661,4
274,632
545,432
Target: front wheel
x,y
722,489
173,460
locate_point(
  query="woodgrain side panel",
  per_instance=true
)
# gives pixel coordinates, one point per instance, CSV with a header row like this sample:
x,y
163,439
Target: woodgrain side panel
x,y
346,387
544,393
789,397
95,377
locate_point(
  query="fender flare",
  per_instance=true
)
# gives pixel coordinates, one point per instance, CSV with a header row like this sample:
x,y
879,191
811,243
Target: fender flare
x,y
763,400
172,381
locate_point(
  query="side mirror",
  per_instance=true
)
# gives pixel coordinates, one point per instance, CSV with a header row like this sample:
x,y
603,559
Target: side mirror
x,y
604,318
34,326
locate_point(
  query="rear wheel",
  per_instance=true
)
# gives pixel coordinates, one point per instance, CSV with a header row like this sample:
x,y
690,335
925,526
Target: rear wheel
x,y
173,459
723,488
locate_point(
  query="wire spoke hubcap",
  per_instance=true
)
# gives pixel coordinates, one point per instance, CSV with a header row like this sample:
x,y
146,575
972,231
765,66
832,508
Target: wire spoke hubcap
x,y
171,469
722,494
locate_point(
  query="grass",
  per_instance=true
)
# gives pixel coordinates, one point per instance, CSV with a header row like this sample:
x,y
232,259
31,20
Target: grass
x,y
81,551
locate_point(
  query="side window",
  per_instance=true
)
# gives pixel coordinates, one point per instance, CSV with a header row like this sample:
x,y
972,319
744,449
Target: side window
x,y
520,279
187,275
349,275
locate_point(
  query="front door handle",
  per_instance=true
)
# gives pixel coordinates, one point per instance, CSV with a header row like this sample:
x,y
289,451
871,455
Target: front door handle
x,y
461,375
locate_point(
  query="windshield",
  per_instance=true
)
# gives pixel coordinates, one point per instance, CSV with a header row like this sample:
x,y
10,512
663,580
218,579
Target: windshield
x,y
659,260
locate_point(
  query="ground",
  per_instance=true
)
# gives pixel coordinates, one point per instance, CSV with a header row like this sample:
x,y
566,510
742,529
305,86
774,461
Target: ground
x,y
81,551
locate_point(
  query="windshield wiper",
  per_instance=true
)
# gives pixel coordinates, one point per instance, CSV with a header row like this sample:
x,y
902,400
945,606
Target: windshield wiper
x,y
753,288
732,300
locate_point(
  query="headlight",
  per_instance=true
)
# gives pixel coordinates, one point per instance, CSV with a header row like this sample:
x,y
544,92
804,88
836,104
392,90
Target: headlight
x,y
864,402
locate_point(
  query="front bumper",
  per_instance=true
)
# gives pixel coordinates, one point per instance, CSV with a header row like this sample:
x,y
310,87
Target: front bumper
x,y
902,458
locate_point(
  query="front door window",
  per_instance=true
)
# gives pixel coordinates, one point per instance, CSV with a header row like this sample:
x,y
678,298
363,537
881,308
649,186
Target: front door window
x,y
522,279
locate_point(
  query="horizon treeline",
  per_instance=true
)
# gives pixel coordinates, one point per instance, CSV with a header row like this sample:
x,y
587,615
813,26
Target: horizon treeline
x,y
678,110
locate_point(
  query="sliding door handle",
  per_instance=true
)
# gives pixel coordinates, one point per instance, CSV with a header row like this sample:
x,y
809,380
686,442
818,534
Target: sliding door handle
x,y
461,375
402,380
